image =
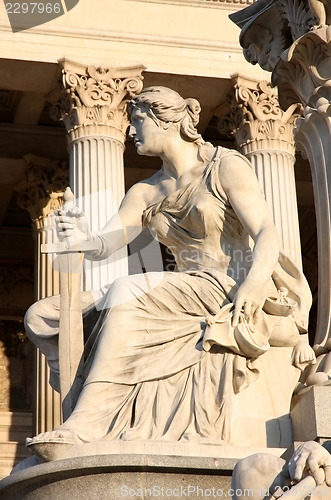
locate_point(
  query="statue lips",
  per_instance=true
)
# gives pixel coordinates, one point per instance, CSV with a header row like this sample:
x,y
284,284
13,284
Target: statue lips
x,y
29,14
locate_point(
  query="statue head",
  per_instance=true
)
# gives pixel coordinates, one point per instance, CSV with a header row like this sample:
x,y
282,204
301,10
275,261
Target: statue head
x,y
167,107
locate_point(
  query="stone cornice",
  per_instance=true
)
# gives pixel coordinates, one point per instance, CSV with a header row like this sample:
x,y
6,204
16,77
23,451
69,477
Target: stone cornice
x,y
93,100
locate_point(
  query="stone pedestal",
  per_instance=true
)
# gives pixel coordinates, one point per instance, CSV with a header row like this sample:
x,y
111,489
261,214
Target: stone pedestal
x,y
311,414
116,477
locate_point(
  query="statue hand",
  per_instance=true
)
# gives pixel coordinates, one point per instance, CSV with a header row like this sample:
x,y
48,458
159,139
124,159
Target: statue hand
x,y
250,298
72,226
313,458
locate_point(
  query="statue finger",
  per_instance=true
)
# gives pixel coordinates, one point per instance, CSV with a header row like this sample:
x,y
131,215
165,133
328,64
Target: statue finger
x,y
297,463
75,212
67,226
236,313
65,233
248,309
65,221
327,470
315,470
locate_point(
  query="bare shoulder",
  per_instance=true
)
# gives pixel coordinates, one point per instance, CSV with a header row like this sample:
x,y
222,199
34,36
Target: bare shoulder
x,y
236,171
144,190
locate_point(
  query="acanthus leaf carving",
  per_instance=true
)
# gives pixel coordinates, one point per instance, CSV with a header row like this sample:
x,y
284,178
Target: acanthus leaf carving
x,y
41,190
94,99
321,10
254,116
269,27
262,36
304,68
300,19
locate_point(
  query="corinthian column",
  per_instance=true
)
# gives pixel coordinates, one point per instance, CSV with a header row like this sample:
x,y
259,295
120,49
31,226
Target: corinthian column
x,y
264,134
304,76
92,103
40,192
293,41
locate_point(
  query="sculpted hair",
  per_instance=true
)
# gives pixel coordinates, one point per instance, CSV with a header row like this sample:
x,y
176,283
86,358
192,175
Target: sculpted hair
x,y
169,107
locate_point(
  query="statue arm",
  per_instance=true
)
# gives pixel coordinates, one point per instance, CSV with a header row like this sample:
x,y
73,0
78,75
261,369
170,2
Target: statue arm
x,y
125,225
122,228
244,193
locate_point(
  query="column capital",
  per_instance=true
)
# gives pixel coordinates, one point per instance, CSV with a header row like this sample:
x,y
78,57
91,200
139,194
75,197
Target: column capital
x,y
304,68
42,187
92,100
269,28
253,115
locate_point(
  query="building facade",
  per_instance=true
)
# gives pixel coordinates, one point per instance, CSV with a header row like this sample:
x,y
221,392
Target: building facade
x,y
96,56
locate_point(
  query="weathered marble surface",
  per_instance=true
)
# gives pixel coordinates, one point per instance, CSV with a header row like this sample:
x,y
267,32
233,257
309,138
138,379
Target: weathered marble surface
x,y
306,474
166,358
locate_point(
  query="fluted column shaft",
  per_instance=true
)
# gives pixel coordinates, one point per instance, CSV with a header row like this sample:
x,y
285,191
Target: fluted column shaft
x,y
92,103
304,76
40,192
264,134
47,401
275,172
97,179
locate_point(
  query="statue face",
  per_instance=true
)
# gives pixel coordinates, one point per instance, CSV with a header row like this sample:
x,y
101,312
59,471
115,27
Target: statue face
x,y
148,136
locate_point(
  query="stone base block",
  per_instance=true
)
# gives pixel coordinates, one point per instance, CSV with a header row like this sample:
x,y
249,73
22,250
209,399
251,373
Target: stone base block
x,y
119,477
311,414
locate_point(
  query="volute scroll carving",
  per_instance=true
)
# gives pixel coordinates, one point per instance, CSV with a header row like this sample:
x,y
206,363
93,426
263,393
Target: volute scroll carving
x,y
304,68
41,190
93,100
270,27
254,116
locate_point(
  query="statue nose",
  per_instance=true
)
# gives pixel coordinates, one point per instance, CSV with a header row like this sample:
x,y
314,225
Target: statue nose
x,y
132,131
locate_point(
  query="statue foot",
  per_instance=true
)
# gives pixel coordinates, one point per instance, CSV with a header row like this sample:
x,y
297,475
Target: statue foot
x,y
52,445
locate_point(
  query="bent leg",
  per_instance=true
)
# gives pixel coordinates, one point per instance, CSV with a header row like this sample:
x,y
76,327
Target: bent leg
x,y
42,327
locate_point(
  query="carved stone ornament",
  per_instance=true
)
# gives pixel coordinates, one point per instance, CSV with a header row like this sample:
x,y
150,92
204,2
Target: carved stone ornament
x,y
304,68
93,100
269,27
256,119
302,73
41,190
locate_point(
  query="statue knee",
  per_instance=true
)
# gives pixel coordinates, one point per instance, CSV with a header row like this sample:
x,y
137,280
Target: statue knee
x,y
30,319
126,288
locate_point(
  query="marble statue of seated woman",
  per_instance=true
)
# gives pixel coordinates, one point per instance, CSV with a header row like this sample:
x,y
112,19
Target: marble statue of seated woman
x,y
168,350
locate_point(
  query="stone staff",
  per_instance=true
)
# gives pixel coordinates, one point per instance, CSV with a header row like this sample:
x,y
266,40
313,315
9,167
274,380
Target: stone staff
x,y
71,338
